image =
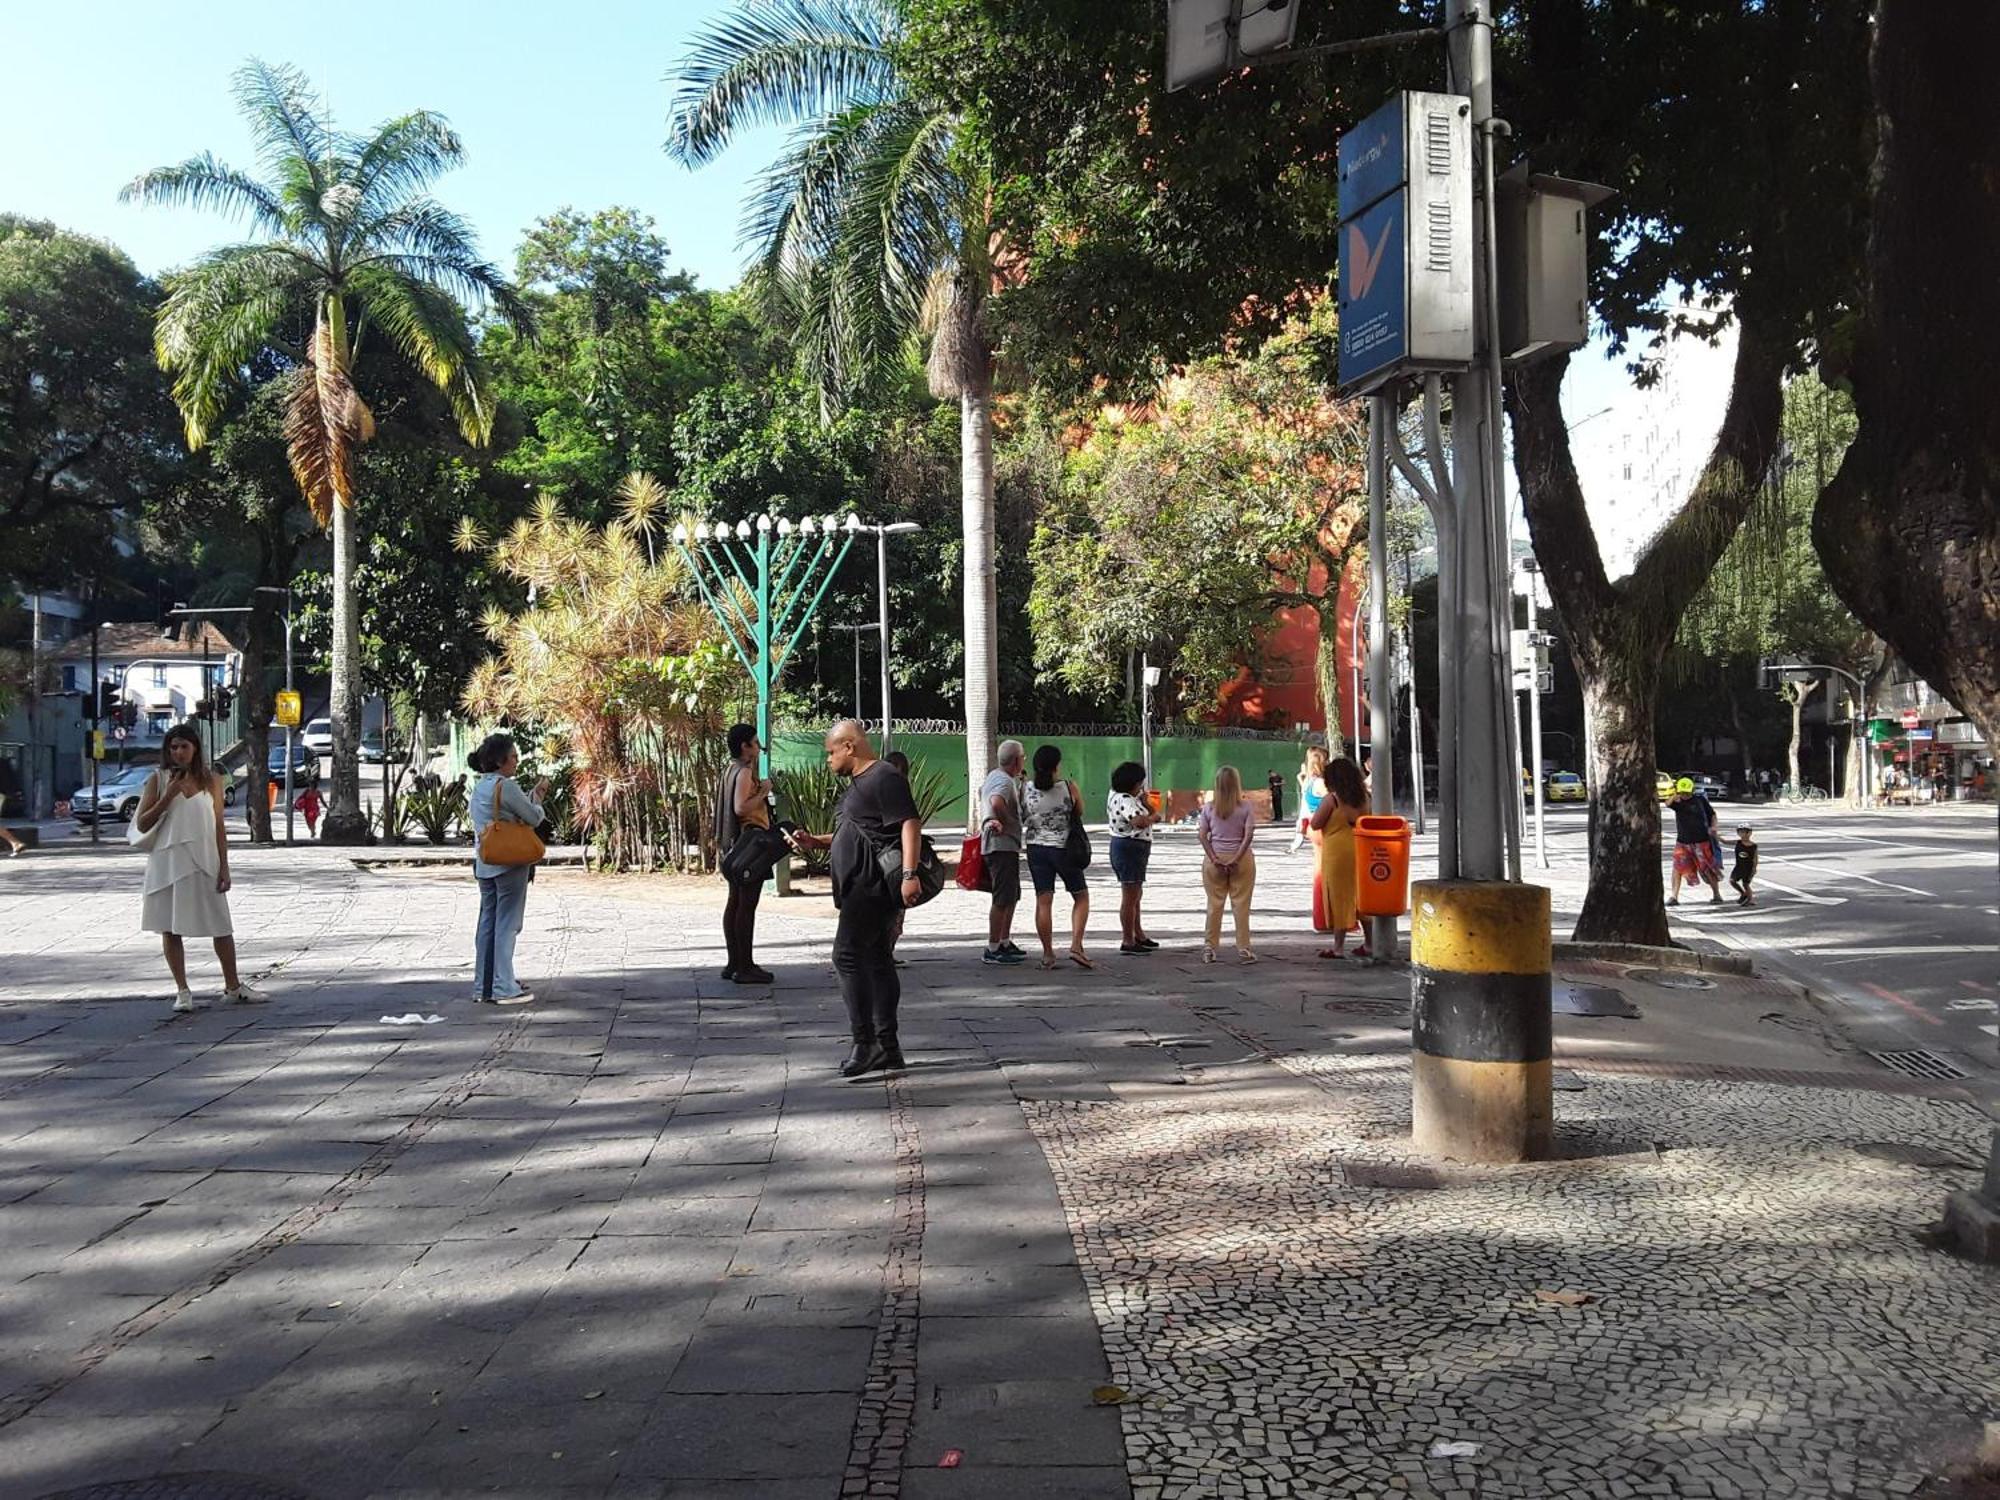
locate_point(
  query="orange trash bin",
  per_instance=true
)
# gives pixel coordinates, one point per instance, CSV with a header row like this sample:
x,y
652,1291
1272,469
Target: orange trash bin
x,y
1381,866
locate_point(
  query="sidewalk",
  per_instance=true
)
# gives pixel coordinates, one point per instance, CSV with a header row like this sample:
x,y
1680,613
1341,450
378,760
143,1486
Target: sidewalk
x,y
638,1239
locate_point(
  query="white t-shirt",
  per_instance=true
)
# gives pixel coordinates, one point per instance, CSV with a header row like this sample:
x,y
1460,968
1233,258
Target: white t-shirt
x,y
1007,840
1120,809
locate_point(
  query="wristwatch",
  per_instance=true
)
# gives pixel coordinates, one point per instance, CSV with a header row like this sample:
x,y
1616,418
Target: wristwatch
x,y
911,875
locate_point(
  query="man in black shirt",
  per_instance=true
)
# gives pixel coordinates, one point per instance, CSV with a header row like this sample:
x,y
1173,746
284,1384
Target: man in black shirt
x,y
1695,859
1277,785
877,813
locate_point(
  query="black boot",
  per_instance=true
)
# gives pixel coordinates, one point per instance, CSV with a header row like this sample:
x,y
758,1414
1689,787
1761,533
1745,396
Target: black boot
x,y
892,1053
863,1057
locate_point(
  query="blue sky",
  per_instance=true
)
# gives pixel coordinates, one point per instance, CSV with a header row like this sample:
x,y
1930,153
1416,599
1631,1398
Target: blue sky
x,y
558,105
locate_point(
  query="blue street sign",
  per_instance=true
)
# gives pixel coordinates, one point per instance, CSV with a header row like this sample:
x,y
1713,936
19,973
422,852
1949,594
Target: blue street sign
x,y
1374,326
1371,160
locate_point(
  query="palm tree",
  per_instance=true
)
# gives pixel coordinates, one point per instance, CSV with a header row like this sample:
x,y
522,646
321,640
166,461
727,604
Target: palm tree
x,y
346,238
872,233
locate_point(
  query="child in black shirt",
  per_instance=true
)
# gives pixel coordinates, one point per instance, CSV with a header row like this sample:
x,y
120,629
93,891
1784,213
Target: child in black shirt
x,y
1745,869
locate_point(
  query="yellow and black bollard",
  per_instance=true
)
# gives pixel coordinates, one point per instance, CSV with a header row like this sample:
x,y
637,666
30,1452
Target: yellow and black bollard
x,y
1479,965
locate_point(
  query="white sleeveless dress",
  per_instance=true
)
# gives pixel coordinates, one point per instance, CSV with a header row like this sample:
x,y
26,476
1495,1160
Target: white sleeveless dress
x,y
181,870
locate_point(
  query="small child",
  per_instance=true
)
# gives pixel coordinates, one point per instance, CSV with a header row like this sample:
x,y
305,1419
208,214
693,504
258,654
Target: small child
x,y
1745,869
308,802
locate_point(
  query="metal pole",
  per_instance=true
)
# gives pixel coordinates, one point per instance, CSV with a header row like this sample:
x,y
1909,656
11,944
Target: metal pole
x,y
96,723
882,621
1381,691
857,672
289,728
1533,570
1146,719
39,801
1481,807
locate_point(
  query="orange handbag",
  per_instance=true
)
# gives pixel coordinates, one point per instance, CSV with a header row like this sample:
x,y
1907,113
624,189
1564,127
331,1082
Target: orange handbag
x,y
506,842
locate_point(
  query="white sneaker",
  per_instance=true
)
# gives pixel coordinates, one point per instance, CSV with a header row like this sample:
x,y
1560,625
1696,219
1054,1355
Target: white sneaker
x,y
244,995
183,1001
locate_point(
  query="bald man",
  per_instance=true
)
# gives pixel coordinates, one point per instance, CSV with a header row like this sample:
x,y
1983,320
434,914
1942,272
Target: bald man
x,y
876,814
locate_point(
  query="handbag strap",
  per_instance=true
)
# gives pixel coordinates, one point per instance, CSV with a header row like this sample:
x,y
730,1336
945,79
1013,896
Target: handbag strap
x,y
496,799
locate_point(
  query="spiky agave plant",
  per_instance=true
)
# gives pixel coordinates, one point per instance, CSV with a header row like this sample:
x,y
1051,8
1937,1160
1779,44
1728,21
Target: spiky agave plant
x,y
346,238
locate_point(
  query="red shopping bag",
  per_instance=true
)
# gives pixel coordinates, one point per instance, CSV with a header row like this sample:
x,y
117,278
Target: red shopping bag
x,y
972,874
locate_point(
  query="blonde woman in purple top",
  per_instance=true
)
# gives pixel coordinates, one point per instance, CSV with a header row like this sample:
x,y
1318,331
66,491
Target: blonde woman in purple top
x,y
1229,869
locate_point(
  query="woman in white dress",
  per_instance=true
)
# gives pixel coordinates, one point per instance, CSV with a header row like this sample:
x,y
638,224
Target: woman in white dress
x,y
187,864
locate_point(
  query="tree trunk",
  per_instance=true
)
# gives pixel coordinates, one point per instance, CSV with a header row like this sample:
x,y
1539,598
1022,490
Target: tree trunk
x,y
257,710
1619,632
1326,666
1736,723
1798,695
1623,903
344,822
982,599
1909,530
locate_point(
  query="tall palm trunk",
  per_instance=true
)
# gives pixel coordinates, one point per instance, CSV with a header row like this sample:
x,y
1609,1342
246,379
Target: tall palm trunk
x,y
344,823
982,598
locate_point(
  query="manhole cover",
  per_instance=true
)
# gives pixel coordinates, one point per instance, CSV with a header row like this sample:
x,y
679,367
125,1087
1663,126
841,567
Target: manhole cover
x,y
1394,1008
1671,979
1919,1062
1590,1000
1390,1175
204,1486
1911,1156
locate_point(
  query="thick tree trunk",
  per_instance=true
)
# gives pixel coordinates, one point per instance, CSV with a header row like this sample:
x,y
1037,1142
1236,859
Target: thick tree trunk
x,y
257,710
982,597
1327,667
1623,903
345,823
1619,632
1798,695
1909,530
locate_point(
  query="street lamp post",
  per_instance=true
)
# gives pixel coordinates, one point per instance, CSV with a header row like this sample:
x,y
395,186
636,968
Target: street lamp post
x,y
883,532
1533,569
856,630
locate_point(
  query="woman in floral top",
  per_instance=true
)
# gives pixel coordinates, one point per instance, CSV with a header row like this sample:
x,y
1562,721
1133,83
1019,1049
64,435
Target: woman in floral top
x,y
1131,818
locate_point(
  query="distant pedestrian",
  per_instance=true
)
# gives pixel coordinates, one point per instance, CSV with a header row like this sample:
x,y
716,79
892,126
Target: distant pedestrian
x,y
1130,813
496,797
877,816
743,800
308,803
179,823
1334,894
1312,787
1277,785
1227,828
1695,859
1744,871
1048,804
1000,846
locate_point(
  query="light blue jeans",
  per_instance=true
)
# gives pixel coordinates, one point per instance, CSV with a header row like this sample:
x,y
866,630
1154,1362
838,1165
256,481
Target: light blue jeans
x,y
503,901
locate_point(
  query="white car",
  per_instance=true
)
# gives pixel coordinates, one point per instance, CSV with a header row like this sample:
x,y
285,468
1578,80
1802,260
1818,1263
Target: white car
x,y
317,736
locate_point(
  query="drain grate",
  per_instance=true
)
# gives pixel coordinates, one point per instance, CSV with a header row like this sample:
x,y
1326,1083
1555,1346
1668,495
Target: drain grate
x,y
1919,1062
1590,1000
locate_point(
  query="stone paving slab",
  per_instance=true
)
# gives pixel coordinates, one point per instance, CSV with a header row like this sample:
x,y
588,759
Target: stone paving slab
x,y
641,1225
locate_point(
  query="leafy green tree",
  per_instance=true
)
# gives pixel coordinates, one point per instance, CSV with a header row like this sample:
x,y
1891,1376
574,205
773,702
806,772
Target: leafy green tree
x,y
85,423
347,239
874,232
1188,523
624,345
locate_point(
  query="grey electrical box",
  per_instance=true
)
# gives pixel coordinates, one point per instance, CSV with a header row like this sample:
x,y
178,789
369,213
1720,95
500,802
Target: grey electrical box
x,y
1541,248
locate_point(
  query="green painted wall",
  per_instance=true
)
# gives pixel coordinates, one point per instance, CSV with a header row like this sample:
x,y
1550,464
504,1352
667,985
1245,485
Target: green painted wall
x,y
1178,764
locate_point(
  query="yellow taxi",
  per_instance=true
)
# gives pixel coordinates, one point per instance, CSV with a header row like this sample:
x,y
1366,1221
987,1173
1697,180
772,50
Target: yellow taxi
x,y
1567,786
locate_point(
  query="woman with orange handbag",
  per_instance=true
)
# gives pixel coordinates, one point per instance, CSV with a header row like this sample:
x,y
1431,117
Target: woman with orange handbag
x,y
504,819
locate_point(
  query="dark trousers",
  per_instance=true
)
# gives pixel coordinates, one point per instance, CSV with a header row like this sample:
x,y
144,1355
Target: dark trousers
x,y
865,958
739,922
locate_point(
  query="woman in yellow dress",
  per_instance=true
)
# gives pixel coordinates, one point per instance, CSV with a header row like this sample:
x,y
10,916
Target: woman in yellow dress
x,y
1345,802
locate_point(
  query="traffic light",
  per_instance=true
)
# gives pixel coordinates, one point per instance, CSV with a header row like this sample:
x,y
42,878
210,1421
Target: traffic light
x,y
220,702
109,705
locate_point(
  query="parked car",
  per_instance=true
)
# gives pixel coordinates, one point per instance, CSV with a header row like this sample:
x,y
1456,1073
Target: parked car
x,y
305,765
1712,787
1567,786
317,736
373,752
118,793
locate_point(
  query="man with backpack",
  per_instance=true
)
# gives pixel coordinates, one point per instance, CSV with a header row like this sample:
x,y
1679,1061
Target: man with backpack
x,y
1695,858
